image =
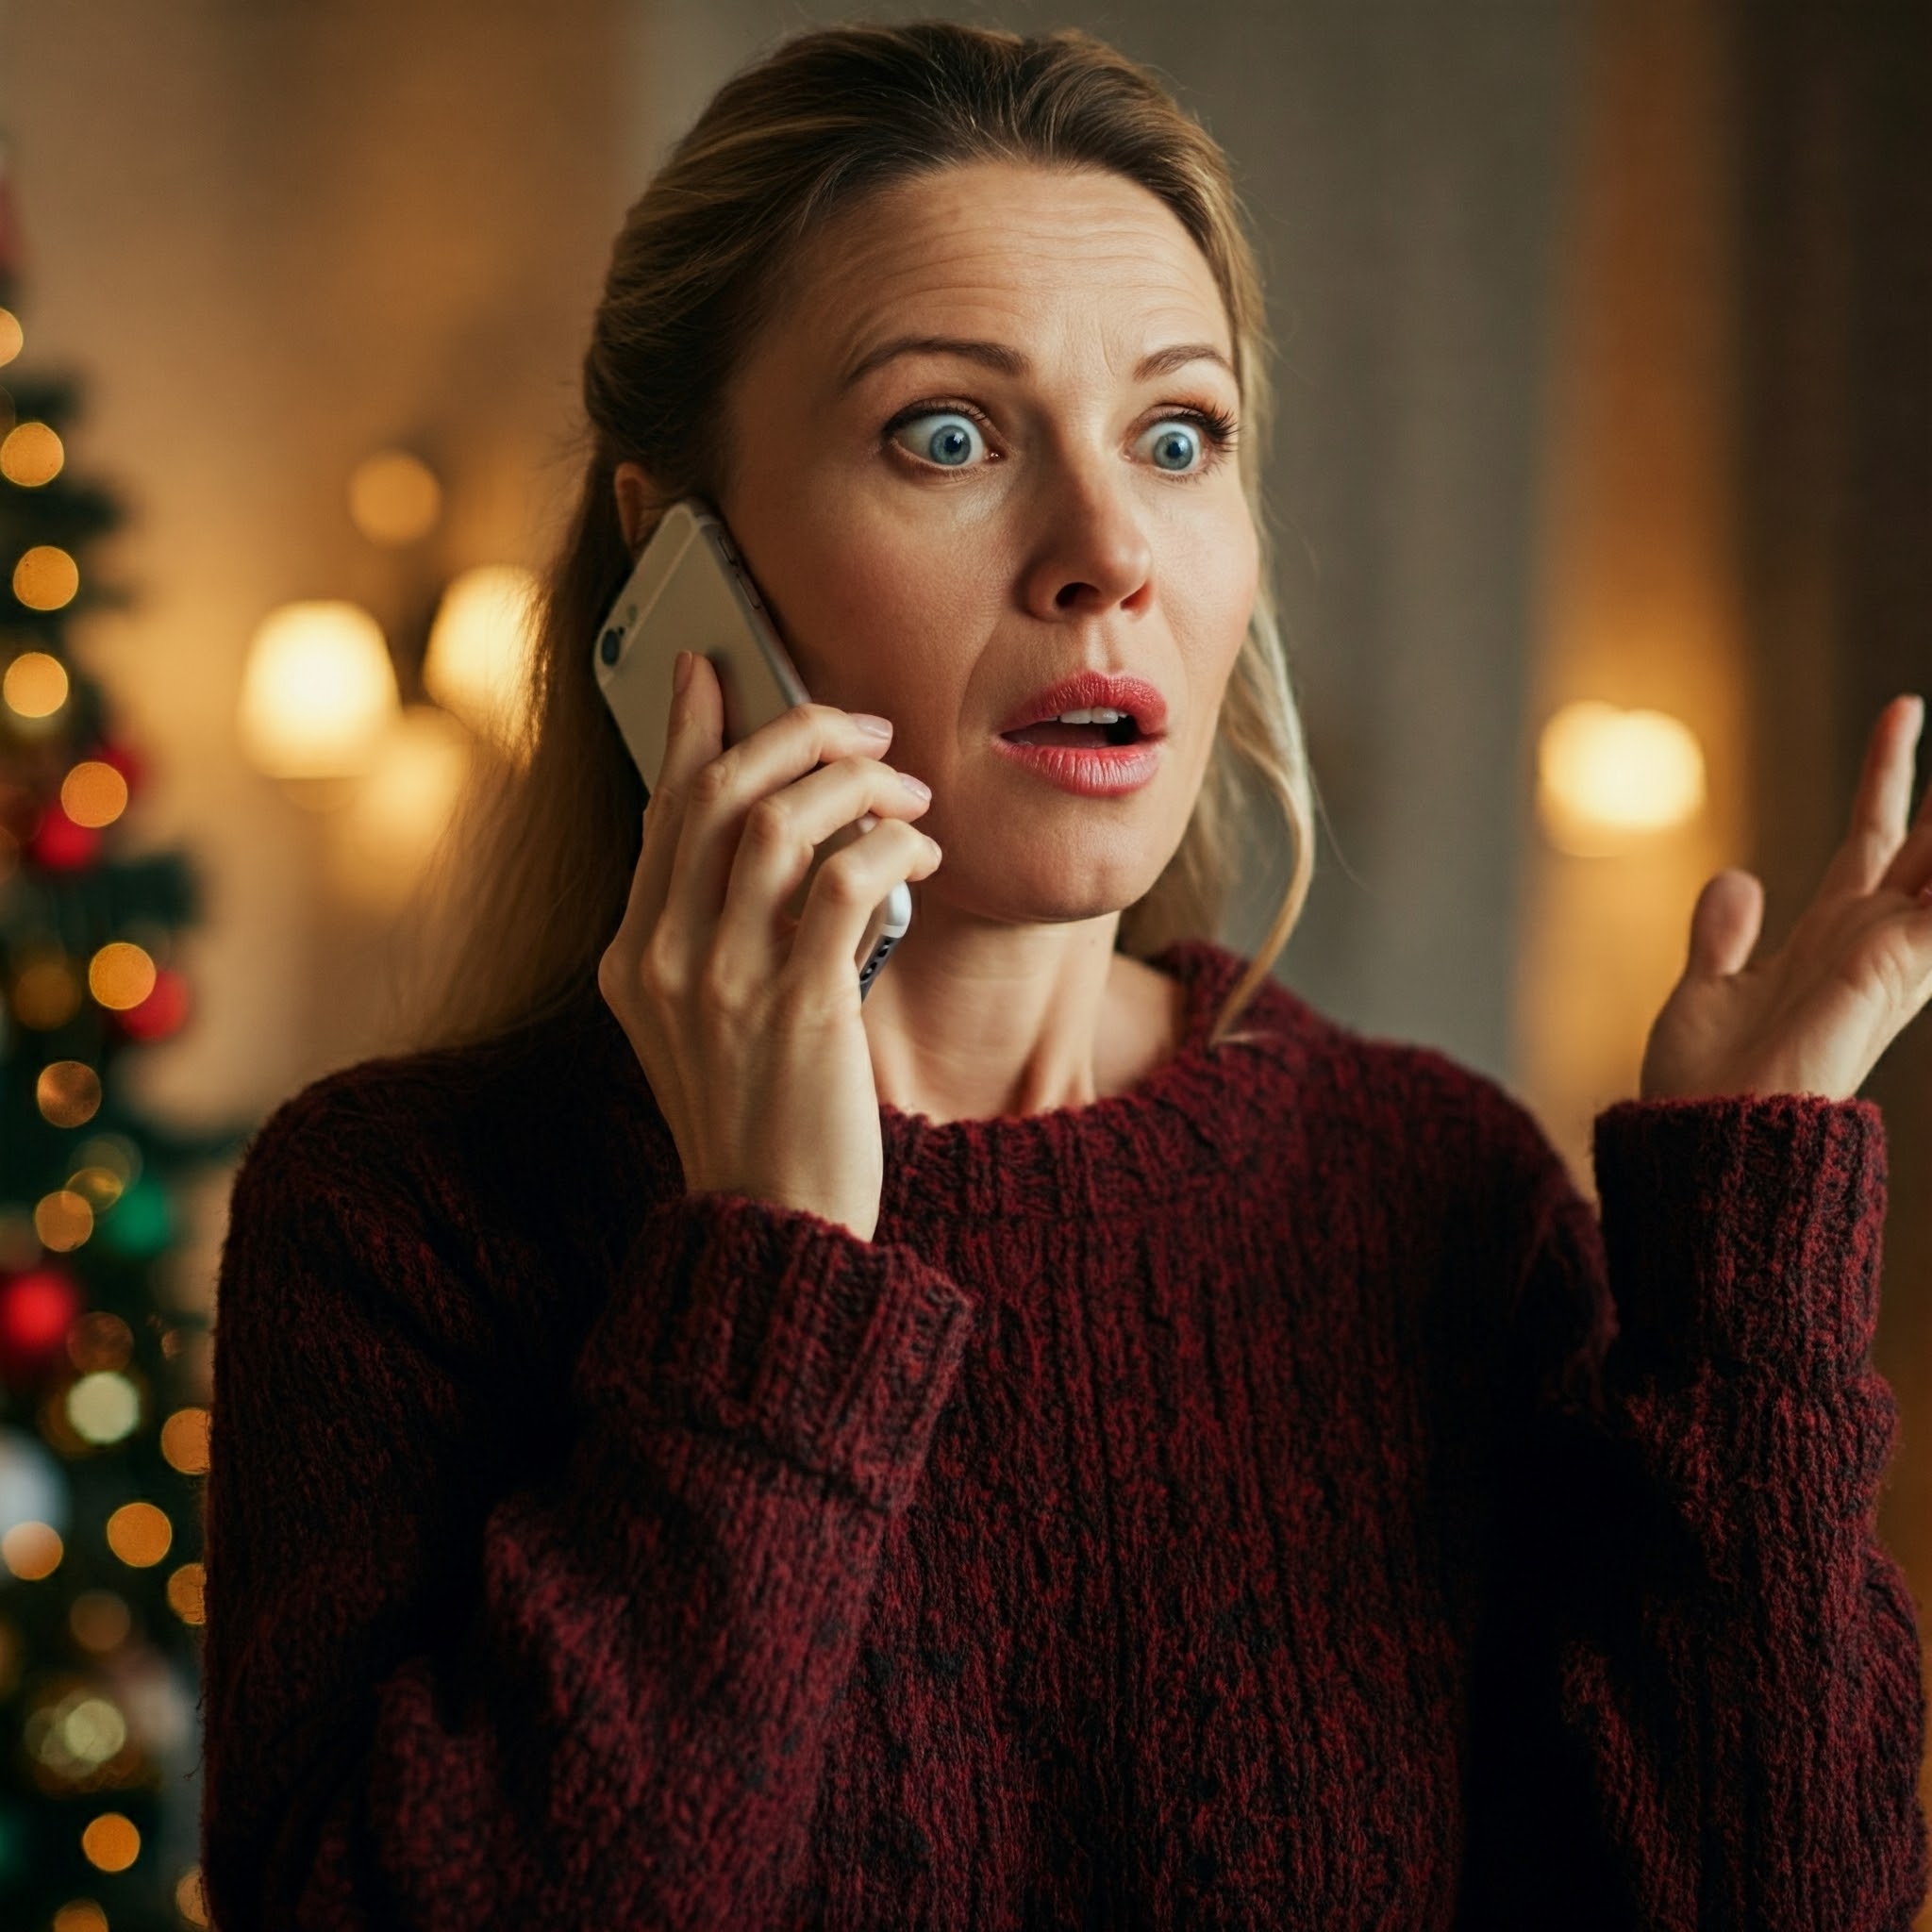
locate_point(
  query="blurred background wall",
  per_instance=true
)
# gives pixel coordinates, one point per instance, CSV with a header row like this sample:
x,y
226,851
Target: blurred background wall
x,y
1603,383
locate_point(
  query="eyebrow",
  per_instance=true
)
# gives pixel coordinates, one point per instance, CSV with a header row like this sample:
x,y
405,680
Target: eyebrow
x,y
1010,362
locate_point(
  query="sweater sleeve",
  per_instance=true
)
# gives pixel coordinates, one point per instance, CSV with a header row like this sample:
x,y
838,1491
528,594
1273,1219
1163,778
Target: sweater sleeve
x,y
610,1706
1698,1701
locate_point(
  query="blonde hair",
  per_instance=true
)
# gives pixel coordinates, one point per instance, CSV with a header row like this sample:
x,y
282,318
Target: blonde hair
x,y
532,880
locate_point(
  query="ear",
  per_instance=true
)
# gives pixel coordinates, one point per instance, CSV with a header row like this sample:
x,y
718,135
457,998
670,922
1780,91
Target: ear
x,y
635,496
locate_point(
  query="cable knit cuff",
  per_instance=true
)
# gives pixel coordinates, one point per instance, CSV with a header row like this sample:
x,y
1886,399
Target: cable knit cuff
x,y
1747,1229
735,1315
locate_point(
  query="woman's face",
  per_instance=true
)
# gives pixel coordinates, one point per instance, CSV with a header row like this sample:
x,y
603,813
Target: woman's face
x,y
982,447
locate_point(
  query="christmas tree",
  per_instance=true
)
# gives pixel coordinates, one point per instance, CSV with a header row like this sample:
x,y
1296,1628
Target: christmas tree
x,y
103,1379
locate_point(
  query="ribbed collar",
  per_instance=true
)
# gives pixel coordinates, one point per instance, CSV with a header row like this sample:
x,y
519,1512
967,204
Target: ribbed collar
x,y
1194,1115
1197,1115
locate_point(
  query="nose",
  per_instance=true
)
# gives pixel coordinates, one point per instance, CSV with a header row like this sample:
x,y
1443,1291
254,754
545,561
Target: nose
x,y
1092,555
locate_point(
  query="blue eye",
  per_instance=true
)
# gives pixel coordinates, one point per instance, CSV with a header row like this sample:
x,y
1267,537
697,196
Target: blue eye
x,y
944,438
1173,445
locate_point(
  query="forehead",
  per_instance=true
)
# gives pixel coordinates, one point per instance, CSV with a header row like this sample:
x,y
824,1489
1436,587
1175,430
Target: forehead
x,y
1009,250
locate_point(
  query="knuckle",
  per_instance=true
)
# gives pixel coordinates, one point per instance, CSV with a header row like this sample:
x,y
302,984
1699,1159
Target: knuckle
x,y
713,782
770,826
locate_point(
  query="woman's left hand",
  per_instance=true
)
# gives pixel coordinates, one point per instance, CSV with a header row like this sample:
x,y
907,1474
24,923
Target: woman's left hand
x,y
1816,1016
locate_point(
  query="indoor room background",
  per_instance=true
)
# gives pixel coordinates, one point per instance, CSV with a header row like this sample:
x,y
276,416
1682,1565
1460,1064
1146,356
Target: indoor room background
x,y
1600,478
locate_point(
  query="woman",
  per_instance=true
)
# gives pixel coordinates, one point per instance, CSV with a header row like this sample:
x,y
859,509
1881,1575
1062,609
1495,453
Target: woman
x,y
690,1450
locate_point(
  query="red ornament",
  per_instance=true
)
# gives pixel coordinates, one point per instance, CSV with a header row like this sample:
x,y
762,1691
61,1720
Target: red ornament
x,y
163,1010
37,1309
58,845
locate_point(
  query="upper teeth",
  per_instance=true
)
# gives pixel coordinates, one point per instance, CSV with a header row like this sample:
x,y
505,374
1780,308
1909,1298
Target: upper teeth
x,y
1099,715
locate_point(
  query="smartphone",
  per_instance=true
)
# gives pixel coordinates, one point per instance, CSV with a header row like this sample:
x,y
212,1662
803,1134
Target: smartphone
x,y
689,590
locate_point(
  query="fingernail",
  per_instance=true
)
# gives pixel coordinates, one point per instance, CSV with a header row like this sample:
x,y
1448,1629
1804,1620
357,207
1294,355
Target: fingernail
x,y
873,727
919,789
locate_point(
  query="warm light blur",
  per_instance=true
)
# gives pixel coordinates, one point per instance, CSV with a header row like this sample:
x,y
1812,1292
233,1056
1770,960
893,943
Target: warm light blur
x,y
99,1620
94,794
395,497
184,1440
186,1590
479,650
63,1220
1605,775
104,1409
120,976
12,338
99,1339
45,579
317,693
68,1094
190,1900
32,1550
35,685
140,1534
80,1915
47,992
31,455
112,1842
401,809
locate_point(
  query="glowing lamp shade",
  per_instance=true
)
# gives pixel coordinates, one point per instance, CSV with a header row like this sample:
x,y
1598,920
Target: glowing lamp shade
x,y
479,652
317,693
1605,776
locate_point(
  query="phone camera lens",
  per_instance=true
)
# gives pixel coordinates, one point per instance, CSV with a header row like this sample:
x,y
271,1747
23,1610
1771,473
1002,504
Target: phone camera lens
x,y
610,643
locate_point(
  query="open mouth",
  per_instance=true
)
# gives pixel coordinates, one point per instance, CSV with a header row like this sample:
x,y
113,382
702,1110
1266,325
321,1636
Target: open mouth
x,y
1081,737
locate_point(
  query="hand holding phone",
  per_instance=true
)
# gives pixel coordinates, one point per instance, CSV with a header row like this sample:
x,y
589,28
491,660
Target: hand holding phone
x,y
750,1034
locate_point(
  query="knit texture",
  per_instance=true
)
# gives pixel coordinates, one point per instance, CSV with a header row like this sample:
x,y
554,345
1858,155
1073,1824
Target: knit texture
x,y
1270,1497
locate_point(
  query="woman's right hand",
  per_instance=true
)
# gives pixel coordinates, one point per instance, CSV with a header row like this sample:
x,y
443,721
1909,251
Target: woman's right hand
x,y
746,1021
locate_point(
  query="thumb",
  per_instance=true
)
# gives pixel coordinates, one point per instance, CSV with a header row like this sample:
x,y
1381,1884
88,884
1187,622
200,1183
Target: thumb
x,y
1725,924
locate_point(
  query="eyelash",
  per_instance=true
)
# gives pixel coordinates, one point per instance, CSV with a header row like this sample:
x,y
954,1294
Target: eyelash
x,y
1216,425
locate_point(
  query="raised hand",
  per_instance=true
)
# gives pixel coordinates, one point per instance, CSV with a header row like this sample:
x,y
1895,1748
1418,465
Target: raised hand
x,y
1818,1014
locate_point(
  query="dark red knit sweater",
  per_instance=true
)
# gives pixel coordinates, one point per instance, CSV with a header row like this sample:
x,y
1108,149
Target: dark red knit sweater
x,y
1223,1505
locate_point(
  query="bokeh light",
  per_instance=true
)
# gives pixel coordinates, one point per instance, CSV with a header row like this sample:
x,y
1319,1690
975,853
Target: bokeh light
x,y
395,497
317,692
120,976
186,1587
110,1842
35,685
94,794
100,1620
32,1550
63,1220
46,577
104,1408
31,454
68,1093
140,1534
1607,777
184,1440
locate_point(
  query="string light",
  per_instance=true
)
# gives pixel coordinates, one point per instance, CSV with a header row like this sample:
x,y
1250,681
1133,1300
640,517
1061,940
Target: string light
x,y
100,1621
100,1340
94,794
80,1915
104,1408
120,976
45,579
186,1588
111,1842
35,685
189,1898
12,337
31,454
32,1550
68,1093
47,993
140,1534
184,1440
63,1220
